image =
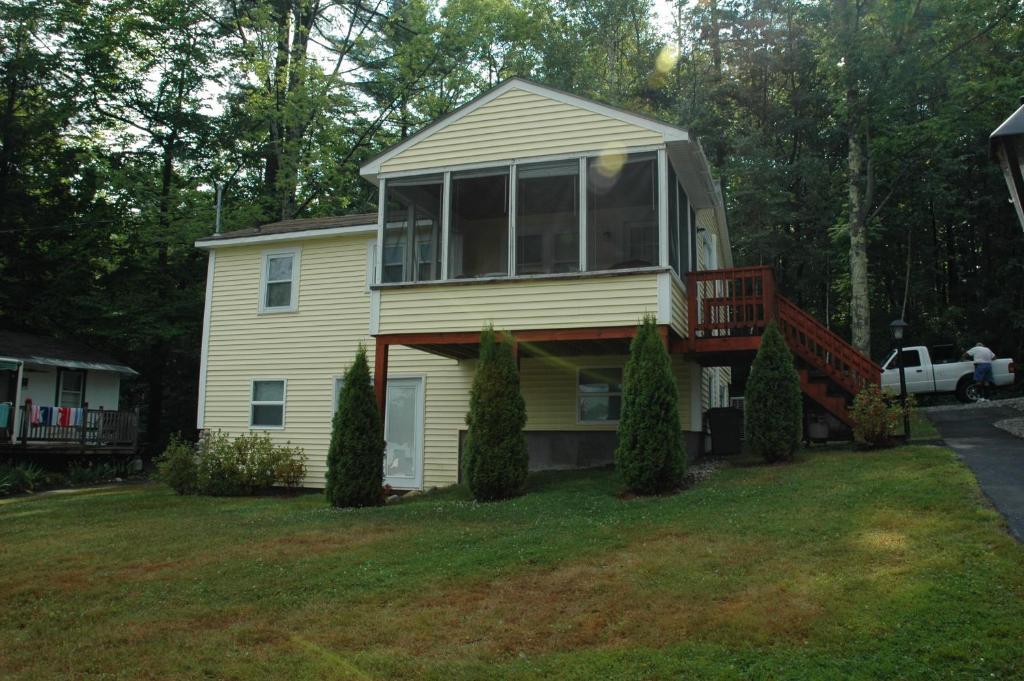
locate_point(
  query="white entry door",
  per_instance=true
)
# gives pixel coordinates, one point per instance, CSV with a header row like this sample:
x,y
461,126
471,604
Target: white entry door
x,y
403,432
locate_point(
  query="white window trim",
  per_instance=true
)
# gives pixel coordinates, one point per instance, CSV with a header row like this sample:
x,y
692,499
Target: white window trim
x,y
293,305
580,421
283,402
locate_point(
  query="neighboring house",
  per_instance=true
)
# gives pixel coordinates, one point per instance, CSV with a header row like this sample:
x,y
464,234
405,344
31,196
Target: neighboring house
x,y
556,218
59,392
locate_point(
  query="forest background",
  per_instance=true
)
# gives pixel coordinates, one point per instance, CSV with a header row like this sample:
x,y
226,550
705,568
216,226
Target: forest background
x,y
850,136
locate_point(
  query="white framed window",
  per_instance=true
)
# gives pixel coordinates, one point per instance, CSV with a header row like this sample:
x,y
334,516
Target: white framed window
x,y
339,385
598,394
72,389
266,408
279,281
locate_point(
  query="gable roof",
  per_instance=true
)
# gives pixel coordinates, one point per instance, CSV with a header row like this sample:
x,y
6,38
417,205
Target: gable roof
x,y
293,229
26,347
671,133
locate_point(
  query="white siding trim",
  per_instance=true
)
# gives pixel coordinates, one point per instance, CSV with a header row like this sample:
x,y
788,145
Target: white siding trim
x,y
285,236
521,160
663,240
381,203
211,265
664,298
446,219
513,190
583,214
669,132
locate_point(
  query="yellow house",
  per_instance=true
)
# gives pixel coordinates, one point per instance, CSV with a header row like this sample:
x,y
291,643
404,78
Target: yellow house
x,y
555,218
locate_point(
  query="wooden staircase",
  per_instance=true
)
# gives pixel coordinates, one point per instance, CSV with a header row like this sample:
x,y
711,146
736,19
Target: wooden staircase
x,y
728,312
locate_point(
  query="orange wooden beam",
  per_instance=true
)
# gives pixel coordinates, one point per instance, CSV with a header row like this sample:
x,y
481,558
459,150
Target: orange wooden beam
x,y
380,374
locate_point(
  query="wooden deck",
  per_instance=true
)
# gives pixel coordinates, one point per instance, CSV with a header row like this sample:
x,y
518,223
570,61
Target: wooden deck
x,y
92,432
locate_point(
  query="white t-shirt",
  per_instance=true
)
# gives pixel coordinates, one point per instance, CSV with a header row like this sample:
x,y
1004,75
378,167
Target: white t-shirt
x,y
981,355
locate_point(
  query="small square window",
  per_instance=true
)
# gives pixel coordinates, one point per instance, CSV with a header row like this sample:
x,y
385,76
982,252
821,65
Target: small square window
x,y
267,405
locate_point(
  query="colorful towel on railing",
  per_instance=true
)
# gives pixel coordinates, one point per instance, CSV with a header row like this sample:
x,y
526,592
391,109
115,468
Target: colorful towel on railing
x,y
64,416
46,416
5,414
35,417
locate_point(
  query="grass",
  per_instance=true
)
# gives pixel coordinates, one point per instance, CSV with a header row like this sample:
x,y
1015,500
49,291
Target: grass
x,y
868,565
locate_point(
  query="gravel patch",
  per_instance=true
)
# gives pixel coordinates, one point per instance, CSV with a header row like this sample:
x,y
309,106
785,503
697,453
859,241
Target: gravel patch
x,y
1014,403
702,471
1012,426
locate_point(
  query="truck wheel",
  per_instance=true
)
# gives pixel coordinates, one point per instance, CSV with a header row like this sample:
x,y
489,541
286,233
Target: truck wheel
x,y
967,390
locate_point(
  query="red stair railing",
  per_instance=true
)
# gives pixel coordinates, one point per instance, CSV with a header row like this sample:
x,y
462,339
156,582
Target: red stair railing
x,y
826,350
740,302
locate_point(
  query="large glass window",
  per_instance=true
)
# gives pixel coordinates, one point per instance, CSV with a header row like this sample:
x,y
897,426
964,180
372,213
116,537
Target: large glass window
x,y
267,405
599,395
548,218
478,238
679,228
622,212
412,231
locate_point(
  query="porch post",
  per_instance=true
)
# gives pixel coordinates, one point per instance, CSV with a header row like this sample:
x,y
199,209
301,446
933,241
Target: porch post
x,y
85,421
380,374
26,420
15,421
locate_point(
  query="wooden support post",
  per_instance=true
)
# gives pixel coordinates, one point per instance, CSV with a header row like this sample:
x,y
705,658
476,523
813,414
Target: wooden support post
x,y
26,420
85,423
692,299
380,375
663,332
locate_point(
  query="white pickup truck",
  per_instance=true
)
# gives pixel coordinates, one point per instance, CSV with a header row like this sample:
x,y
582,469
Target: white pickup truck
x,y
940,371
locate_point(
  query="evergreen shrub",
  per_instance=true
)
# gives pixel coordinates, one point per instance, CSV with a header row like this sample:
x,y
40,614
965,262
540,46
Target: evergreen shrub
x,y
496,460
650,453
773,404
355,459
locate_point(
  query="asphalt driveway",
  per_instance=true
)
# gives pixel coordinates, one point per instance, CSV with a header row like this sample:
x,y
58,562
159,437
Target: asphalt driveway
x,y
995,456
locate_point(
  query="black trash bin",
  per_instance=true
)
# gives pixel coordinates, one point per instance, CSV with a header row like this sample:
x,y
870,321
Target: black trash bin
x,y
726,424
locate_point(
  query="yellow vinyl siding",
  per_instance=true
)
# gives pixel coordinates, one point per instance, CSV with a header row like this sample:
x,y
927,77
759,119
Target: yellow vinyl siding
x,y
312,346
680,322
519,124
517,305
549,390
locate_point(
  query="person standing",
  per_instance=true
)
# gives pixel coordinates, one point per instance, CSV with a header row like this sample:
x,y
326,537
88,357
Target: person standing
x,y
982,358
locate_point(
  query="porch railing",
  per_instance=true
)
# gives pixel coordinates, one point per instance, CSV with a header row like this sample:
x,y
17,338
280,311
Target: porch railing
x,y
95,427
733,302
739,303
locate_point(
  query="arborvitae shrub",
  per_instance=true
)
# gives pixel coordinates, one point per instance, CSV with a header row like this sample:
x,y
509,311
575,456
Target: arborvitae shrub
x,y
650,454
496,461
773,404
355,459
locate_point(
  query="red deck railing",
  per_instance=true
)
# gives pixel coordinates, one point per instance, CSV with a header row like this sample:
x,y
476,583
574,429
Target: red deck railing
x,y
737,303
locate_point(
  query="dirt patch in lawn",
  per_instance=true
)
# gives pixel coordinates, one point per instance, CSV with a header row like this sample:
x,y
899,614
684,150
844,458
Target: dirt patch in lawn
x,y
635,596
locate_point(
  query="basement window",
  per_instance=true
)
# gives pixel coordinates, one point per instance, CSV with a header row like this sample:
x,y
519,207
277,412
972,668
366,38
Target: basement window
x,y
599,395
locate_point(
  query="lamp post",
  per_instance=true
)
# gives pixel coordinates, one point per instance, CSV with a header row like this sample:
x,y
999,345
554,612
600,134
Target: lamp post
x,y
1007,146
898,328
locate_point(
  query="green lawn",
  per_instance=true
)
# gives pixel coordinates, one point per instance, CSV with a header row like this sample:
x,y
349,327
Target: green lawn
x,y
884,565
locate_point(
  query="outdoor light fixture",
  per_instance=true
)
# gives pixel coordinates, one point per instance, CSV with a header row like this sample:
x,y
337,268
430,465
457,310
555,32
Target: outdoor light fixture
x,y
898,329
1007,145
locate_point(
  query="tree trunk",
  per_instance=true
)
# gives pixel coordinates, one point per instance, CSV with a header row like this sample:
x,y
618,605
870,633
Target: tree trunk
x,y
860,310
